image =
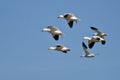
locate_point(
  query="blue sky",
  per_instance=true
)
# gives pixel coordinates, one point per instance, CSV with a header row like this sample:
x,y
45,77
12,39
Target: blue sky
x,y
24,53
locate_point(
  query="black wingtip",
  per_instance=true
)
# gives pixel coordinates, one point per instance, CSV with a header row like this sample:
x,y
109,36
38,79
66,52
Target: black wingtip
x,y
64,51
93,28
103,42
91,45
56,37
70,24
83,44
98,38
68,50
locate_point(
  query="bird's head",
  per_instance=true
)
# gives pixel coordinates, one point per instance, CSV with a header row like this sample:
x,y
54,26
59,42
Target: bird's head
x,y
51,48
60,16
45,30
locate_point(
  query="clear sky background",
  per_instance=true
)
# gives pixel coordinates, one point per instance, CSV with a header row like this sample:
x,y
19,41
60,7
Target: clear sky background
x,y
24,53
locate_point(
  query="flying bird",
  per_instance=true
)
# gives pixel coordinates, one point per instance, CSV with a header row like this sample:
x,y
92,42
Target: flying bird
x,y
59,47
70,18
92,40
55,32
87,53
99,33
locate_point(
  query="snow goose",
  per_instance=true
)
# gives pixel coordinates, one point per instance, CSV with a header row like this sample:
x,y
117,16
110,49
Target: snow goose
x,y
99,33
92,40
59,47
87,53
70,18
54,31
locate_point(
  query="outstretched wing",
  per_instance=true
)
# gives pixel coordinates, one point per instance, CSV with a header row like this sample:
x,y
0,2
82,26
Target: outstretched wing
x,y
91,44
70,23
56,37
85,48
97,30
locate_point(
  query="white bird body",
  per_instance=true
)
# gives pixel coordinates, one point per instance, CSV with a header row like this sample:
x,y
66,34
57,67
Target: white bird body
x,y
87,53
70,18
59,47
92,40
55,32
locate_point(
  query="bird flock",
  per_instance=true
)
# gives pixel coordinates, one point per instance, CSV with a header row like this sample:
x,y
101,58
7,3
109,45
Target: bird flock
x,y
70,18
